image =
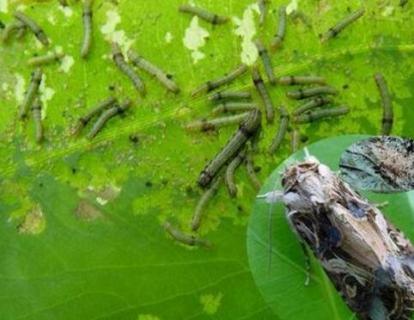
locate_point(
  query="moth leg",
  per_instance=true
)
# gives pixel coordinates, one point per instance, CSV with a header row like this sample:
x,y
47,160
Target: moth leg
x,y
381,204
307,262
304,248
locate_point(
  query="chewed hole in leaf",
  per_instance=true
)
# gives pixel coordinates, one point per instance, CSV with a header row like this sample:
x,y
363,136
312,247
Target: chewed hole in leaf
x,y
33,223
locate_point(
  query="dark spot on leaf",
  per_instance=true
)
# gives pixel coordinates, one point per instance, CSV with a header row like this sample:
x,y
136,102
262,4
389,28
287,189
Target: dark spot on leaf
x,y
134,138
148,184
189,190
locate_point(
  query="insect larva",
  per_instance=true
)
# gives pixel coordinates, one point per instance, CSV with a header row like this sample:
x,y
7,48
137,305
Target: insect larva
x,y
302,80
187,239
280,35
21,32
267,63
153,70
251,172
311,92
87,28
37,118
229,176
211,85
12,27
33,26
203,14
295,140
264,95
281,132
234,107
46,59
106,115
222,95
246,130
206,125
31,93
314,103
119,60
205,197
387,116
262,4
323,113
333,32
83,121
255,140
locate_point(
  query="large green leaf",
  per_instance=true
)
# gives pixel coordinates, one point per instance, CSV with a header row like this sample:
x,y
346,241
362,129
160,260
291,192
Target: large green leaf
x,y
278,262
115,261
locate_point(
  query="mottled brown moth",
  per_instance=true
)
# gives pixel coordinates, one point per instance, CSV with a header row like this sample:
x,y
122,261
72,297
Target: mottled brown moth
x,y
380,164
369,261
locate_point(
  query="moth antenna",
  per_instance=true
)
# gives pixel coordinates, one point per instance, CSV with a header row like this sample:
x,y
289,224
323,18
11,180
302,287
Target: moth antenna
x,y
307,154
269,252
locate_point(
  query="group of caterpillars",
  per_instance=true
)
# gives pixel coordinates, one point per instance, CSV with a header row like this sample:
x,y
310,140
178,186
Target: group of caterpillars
x,y
248,115
108,107
31,101
236,150
19,27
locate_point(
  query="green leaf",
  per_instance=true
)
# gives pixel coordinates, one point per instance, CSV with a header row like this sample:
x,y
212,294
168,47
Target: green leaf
x,y
280,273
111,259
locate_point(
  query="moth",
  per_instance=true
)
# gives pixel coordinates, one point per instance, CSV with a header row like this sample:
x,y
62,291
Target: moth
x,y
380,164
369,261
